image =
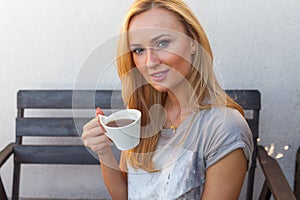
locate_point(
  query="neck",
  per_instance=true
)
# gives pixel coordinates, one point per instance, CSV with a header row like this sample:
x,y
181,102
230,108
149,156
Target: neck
x,y
177,102
177,109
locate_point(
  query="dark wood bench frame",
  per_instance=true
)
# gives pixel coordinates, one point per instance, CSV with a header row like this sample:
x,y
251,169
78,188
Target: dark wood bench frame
x,y
78,154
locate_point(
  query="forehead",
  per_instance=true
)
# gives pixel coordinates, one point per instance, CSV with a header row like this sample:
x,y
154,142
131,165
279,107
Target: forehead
x,y
156,18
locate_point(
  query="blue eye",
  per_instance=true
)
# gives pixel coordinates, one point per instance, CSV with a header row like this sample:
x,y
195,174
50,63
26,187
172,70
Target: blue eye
x,y
138,50
162,44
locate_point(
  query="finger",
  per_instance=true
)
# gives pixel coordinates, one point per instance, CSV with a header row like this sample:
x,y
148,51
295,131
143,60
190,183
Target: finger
x,y
91,124
99,140
94,132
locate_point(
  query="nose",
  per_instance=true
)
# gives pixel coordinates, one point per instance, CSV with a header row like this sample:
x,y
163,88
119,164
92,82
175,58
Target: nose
x,y
152,58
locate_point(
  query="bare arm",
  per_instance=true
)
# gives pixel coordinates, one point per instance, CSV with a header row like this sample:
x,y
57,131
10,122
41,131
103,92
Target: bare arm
x,y
115,180
224,179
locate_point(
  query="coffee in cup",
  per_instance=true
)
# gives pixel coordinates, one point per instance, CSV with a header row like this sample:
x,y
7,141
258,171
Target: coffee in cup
x,y
119,122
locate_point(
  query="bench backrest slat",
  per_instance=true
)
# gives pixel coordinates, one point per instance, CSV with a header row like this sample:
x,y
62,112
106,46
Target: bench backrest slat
x,y
53,154
68,99
46,126
56,154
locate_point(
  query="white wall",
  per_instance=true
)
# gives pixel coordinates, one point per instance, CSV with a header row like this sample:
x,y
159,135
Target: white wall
x,y
44,44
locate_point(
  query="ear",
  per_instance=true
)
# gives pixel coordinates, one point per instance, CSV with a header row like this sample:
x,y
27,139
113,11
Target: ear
x,y
193,46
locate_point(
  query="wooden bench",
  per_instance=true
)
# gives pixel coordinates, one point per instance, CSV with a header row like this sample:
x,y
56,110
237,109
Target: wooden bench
x,y
55,126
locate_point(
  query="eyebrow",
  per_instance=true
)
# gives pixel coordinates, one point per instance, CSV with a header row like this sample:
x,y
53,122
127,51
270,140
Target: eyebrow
x,y
153,39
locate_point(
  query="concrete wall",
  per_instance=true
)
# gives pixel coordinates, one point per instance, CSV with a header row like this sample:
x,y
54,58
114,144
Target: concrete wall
x,y
44,44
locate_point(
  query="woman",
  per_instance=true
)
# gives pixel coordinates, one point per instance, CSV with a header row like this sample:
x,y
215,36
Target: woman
x,y
195,142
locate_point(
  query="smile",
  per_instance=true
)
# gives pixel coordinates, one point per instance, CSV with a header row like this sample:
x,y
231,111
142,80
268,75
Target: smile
x,y
159,76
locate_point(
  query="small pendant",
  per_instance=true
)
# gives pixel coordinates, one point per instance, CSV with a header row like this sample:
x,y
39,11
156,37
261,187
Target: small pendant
x,y
173,128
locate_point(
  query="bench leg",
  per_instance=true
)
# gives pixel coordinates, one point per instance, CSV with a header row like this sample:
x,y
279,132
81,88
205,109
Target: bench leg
x,y
250,183
2,191
251,173
16,182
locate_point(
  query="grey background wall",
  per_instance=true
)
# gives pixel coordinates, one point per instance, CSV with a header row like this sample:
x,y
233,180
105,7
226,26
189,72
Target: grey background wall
x,y
44,44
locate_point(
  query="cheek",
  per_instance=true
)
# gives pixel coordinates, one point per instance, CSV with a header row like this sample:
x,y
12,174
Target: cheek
x,y
178,53
182,66
143,71
178,62
138,60
181,52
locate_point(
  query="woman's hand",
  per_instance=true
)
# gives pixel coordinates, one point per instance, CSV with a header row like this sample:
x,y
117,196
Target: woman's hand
x,y
93,135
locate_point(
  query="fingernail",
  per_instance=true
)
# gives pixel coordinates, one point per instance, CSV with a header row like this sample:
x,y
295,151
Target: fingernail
x,y
99,111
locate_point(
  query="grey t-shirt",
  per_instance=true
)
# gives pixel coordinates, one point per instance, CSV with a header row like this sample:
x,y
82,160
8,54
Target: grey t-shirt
x,y
183,157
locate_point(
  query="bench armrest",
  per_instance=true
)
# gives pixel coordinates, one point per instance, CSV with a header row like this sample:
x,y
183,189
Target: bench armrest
x,y
275,181
5,153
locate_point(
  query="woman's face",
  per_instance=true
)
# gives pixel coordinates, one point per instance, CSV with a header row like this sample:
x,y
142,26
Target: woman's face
x,y
160,48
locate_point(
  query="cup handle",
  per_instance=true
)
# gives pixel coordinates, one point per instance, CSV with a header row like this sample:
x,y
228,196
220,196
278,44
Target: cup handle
x,y
102,122
102,119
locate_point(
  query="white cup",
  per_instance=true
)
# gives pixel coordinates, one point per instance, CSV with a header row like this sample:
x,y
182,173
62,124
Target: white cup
x,y
125,137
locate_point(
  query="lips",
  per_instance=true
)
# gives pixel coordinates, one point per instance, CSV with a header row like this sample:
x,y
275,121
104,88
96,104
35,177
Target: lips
x,y
159,76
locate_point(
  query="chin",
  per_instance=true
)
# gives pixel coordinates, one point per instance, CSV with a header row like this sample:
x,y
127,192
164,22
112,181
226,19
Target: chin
x,y
160,88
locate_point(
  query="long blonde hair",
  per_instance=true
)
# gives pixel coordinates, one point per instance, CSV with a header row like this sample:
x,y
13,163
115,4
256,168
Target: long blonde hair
x,y
140,95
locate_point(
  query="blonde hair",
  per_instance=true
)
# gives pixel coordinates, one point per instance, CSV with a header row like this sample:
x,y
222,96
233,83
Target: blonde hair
x,y
140,95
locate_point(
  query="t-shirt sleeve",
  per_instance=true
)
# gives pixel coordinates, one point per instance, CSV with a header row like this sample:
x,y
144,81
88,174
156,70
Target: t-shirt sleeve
x,y
226,131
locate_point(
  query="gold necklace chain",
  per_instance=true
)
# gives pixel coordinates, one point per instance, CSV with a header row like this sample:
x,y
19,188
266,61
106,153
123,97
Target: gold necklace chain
x,y
173,126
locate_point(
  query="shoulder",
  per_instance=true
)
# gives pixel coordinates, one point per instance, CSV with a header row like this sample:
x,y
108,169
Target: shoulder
x,y
223,119
223,130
